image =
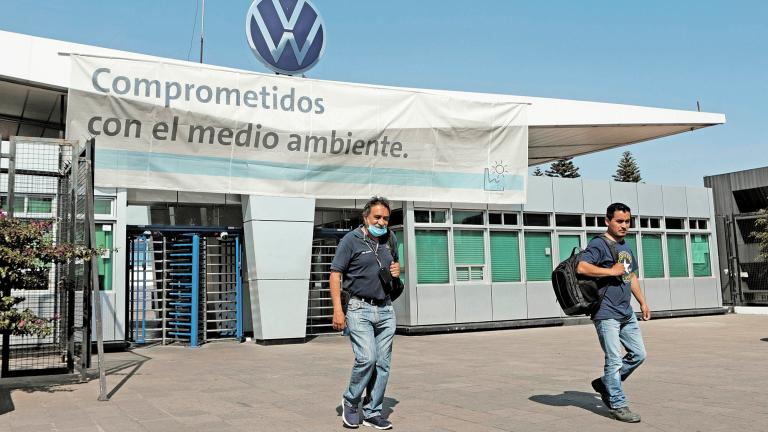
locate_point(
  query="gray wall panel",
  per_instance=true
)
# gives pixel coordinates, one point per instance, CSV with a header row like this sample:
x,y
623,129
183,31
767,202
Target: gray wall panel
x,y
539,195
682,293
270,208
624,193
509,301
697,200
649,200
542,302
279,308
280,250
473,303
707,292
437,304
675,201
597,196
568,196
657,294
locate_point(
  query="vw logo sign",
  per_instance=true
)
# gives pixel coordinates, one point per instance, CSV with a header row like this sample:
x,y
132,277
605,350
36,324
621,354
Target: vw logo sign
x,y
288,36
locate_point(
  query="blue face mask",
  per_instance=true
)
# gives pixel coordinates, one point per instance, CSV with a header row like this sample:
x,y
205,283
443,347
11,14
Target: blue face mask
x,y
376,231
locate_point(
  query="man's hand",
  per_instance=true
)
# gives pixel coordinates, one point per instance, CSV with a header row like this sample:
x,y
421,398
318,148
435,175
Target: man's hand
x,y
618,269
646,312
339,321
394,268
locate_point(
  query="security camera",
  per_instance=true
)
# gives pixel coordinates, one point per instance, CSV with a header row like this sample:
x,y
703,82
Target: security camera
x,y
223,235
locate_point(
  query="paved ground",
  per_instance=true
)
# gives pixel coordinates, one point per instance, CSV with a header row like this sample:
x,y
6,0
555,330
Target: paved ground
x,y
702,374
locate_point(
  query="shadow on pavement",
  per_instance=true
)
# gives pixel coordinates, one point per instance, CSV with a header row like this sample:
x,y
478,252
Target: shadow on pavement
x,y
587,401
57,383
389,404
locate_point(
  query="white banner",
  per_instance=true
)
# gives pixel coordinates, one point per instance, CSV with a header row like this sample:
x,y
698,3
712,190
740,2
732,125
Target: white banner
x,y
202,129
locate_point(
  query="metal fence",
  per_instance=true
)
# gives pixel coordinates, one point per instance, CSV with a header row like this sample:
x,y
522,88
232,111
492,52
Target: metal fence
x,y
745,280
51,179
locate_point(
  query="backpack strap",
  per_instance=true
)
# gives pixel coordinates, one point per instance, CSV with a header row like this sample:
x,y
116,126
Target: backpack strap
x,y
392,243
611,246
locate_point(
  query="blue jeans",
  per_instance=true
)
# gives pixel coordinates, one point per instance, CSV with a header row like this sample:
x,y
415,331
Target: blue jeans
x,y
371,331
614,334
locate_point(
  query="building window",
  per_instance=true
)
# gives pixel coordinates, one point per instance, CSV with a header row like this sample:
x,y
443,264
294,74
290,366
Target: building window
x,y
674,223
536,219
566,220
678,256
469,255
102,206
505,256
430,216
591,221
468,217
700,250
29,205
498,218
431,256
568,244
650,222
653,257
697,224
538,256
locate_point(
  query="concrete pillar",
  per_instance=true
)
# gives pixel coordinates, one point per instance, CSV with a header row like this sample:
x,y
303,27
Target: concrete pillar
x,y
278,246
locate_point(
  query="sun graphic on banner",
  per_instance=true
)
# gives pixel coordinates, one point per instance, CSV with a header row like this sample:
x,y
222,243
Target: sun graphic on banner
x,y
499,168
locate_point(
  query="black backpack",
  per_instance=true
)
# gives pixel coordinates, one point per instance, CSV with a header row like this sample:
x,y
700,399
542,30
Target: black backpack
x,y
577,294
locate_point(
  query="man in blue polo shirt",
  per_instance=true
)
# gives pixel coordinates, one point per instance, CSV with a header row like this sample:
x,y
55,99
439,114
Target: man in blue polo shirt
x,y
367,259
614,320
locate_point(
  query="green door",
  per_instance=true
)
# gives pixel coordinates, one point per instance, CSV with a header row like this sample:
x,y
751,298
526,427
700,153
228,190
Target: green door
x,y
104,262
538,256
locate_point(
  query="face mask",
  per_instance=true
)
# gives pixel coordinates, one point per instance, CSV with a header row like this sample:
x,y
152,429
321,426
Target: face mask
x,y
376,231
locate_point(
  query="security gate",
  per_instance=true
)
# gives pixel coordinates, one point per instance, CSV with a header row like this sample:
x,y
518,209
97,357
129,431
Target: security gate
x,y
320,307
184,286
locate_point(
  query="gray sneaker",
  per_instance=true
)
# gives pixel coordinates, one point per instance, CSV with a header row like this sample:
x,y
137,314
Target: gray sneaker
x,y
599,387
378,422
350,415
625,415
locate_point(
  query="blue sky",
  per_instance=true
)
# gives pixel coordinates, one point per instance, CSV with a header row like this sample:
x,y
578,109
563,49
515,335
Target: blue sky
x,y
655,53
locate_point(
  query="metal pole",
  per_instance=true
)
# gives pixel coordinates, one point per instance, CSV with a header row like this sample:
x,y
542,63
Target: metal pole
x,y
202,31
239,293
738,261
95,288
6,290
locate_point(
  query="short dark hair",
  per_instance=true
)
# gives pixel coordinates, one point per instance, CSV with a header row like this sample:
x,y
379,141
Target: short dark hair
x,y
613,208
375,200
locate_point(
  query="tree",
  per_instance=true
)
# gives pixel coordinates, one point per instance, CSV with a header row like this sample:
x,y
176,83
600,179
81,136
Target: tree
x,y
761,233
627,171
563,168
538,172
26,254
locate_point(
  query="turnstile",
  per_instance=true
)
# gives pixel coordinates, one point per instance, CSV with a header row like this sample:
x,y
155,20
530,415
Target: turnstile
x,y
184,287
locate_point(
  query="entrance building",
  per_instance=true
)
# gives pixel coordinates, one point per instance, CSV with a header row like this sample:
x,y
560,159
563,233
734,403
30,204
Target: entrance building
x,y
190,265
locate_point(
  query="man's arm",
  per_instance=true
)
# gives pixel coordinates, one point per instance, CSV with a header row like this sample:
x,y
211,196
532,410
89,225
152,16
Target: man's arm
x,y
339,321
586,269
638,293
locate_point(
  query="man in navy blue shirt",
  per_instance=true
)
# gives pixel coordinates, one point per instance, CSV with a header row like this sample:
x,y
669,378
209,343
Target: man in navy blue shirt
x,y
367,259
614,320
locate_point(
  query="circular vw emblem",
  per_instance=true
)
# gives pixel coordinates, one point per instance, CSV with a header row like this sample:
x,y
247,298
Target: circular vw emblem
x,y
288,36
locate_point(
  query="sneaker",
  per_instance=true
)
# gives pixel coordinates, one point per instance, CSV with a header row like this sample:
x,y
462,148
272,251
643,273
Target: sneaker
x,y
599,387
378,422
625,415
350,415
